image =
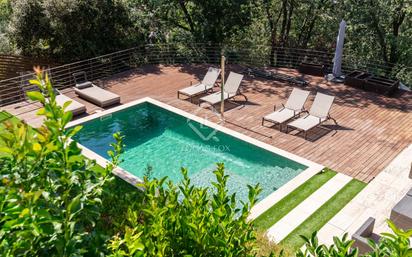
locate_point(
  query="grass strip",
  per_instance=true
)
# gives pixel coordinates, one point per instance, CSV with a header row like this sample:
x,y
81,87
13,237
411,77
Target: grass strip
x,y
293,199
322,215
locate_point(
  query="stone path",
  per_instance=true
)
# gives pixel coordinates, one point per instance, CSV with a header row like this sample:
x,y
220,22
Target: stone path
x,y
376,200
309,206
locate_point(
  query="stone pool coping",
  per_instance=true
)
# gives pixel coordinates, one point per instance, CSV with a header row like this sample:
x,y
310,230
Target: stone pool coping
x,y
261,206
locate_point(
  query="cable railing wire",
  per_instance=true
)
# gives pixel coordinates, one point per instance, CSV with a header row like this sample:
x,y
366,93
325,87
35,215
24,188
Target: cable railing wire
x,y
13,90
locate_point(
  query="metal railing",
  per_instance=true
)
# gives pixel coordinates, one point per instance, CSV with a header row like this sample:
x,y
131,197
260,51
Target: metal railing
x,y
102,67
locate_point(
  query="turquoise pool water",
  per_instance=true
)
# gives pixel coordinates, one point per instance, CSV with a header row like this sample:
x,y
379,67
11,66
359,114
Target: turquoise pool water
x,y
165,142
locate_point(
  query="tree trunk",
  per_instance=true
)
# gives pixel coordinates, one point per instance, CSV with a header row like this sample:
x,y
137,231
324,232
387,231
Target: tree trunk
x,y
273,31
187,15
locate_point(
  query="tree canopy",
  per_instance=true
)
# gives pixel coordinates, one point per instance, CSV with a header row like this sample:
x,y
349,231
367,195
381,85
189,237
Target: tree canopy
x,y
67,30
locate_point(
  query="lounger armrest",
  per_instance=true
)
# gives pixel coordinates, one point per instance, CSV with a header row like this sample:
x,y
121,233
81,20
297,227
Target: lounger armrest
x,y
281,108
361,239
366,229
322,118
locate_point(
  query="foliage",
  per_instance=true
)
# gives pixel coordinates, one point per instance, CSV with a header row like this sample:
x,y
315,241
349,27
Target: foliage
x,y
184,220
5,13
69,29
73,29
50,195
396,244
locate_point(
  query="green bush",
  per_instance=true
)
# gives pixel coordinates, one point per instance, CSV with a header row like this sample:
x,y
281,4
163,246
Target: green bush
x,y
50,195
183,220
396,244
56,202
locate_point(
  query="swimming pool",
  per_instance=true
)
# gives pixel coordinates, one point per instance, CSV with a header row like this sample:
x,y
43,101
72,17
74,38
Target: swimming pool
x,y
162,141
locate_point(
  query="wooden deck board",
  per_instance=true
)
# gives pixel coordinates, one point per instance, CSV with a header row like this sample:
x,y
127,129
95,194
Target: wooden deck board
x,y
371,130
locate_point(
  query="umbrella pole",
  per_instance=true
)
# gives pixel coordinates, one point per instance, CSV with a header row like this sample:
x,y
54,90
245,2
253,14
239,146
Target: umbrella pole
x,y
222,85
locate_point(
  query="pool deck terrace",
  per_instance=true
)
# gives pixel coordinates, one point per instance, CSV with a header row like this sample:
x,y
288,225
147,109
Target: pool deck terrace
x,y
372,129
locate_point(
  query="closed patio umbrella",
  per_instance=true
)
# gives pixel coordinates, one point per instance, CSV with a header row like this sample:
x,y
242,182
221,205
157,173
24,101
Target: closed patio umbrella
x,y
337,60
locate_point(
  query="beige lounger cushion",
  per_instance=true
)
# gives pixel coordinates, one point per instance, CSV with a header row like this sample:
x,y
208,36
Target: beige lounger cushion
x,y
216,98
98,96
318,113
307,122
75,107
195,89
297,99
293,107
230,89
280,116
207,83
321,105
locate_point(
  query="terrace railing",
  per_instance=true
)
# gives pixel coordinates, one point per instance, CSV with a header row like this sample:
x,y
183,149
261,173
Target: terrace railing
x,y
13,90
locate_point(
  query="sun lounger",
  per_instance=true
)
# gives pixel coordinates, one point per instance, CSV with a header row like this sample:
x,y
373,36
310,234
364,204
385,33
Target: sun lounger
x,y
92,93
205,86
318,113
230,90
401,213
292,108
75,107
363,235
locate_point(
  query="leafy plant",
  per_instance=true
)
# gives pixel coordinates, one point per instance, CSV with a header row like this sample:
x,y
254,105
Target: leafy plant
x,y
50,195
396,244
184,220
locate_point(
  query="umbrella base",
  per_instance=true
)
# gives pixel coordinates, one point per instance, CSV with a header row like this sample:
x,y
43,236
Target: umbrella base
x,y
332,78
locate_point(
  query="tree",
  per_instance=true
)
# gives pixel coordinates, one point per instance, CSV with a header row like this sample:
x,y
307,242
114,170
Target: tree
x,y
381,29
199,21
71,29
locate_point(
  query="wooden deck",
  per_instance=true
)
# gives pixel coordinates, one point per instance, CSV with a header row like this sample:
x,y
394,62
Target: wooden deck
x,y
372,129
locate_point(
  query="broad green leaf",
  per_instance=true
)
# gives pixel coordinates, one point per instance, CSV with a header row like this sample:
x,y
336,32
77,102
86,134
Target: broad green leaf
x,y
67,116
36,96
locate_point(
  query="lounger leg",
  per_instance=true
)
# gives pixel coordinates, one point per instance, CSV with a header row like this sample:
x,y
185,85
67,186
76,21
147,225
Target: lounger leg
x,y
246,100
191,100
336,123
178,95
263,120
306,134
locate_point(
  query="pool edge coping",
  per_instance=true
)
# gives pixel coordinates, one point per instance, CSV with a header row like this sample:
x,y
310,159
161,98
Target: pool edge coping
x,y
259,208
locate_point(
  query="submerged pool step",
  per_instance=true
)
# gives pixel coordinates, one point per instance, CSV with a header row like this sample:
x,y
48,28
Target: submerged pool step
x,y
298,215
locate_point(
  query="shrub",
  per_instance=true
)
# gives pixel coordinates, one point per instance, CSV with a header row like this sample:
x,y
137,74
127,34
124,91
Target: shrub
x,y
184,220
396,244
50,195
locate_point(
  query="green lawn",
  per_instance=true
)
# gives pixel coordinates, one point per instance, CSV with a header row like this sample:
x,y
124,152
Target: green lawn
x,y
317,220
293,199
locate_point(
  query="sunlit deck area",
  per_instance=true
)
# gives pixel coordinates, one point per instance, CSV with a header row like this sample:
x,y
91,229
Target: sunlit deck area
x,y
372,129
